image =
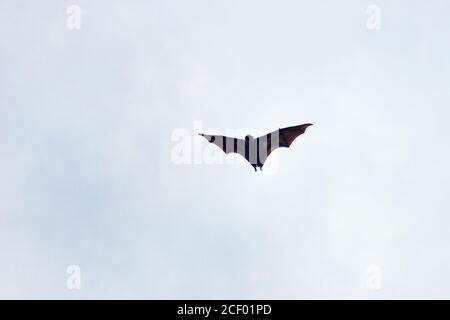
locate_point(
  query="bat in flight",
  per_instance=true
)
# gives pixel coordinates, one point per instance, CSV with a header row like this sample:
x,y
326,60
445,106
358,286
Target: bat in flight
x,y
256,151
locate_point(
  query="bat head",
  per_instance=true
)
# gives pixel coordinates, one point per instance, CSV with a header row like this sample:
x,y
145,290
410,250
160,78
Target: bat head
x,y
208,137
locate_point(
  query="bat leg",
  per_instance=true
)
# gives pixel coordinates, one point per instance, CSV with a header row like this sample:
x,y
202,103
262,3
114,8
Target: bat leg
x,y
259,165
254,167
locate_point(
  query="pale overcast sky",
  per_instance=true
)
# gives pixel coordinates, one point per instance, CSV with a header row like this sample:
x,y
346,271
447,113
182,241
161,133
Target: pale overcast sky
x,y
357,208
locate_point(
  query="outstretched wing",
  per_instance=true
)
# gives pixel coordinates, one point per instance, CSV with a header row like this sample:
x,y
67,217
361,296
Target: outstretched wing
x,y
279,138
289,134
227,144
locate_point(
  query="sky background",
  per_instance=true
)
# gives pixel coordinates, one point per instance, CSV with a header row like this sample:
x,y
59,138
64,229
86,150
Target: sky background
x,y
87,176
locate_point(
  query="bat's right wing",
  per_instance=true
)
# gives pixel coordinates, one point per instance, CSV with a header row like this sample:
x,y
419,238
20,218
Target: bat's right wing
x,y
227,144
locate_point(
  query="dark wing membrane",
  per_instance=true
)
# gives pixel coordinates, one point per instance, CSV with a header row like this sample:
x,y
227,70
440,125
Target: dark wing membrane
x,y
288,135
279,138
227,144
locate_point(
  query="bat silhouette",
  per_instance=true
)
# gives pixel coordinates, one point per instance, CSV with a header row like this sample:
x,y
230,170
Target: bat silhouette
x,y
257,150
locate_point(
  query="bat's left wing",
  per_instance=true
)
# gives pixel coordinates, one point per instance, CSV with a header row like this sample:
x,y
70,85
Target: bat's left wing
x,y
278,139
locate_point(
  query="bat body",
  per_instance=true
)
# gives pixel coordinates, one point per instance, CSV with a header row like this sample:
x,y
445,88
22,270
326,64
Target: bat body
x,y
256,151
